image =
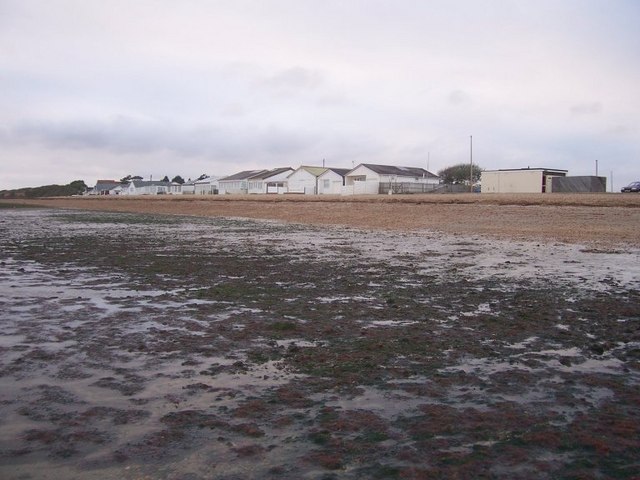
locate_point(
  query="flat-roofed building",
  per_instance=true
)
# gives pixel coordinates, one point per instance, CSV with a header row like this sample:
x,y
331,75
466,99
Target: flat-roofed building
x,y
519,180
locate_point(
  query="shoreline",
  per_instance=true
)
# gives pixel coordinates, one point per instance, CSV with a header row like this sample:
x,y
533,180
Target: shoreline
x,y
607,220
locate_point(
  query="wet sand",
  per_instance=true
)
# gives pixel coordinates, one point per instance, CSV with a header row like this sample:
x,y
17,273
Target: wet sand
x,y
177,347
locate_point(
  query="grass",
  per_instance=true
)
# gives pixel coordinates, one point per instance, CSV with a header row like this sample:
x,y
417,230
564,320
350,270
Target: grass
x,y
8,206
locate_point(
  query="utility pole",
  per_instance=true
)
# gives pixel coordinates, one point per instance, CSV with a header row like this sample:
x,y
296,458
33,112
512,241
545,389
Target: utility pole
x,y
471,163
596,167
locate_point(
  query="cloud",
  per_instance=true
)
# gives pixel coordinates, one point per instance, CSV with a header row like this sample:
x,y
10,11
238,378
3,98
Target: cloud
x,y
128,136
243,84
586,108
623,130
295,78
458,97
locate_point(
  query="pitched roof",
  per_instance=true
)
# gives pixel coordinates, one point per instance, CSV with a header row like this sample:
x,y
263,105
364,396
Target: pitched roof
x,y
340,171
270,173
315,171
400,171
206,180
244,175
104,185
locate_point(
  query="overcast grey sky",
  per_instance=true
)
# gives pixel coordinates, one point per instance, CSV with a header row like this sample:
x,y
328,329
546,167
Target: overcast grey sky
x,y
95,89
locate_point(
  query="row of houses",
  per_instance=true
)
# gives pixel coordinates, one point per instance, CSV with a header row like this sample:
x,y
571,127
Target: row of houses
x,y
366,178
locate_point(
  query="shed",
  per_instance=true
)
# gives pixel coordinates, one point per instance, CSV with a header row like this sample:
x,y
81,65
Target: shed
x,y
519,180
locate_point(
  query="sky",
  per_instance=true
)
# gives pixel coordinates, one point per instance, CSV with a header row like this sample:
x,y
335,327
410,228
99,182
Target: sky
x,y
93,89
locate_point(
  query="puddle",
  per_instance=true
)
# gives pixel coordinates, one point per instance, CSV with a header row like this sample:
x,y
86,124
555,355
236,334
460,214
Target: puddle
x,y
388,404
388,323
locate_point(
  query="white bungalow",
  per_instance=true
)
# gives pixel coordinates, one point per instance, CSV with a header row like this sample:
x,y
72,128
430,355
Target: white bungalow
x,y
174,188
270,181
105,187
144,187
368,178
206,186
237,183
332,181
117,190
188,187
305,180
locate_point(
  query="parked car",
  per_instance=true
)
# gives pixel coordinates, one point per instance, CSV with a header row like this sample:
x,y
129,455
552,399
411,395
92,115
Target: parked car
x,y
632,187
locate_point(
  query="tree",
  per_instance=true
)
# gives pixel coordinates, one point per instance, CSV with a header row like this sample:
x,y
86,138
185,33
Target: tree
x,y
128,178
77,187
178,179
460,174
165,179
202,177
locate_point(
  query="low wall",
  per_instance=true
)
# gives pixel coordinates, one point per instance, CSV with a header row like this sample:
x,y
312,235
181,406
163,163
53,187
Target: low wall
x,y
584,184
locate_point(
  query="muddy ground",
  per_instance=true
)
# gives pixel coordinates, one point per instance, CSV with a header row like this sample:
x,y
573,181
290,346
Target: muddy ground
x,y
146,346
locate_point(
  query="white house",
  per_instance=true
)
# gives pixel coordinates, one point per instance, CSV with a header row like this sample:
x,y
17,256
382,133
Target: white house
x,y
305,180
519,180
369,178
117,190
144,187
188,188
269,181
237,183
206,186
105,187
331,181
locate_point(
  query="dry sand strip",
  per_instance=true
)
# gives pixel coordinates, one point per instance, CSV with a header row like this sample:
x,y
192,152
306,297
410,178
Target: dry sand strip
x,y
604,220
